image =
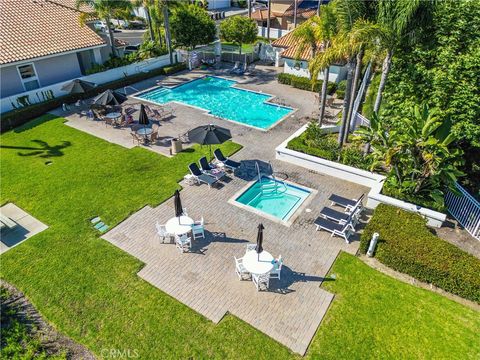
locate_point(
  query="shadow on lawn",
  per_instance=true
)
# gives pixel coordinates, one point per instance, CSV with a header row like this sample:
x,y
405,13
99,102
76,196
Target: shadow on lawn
x,y
43,150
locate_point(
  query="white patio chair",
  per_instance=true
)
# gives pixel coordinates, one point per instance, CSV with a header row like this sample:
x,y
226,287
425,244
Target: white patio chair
x,y
251,247
240,270
162,232
184,212
261,281
183,243
198,229
277,268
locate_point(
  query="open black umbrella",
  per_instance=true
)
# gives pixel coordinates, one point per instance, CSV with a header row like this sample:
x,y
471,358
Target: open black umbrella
x,y
178,205
110,97
78,86
259,247
209,135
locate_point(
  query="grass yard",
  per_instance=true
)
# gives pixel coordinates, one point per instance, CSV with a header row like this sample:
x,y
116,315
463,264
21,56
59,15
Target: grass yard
x,y
90,291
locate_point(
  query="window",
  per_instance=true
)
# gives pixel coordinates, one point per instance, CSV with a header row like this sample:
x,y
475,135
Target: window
x,y
28,76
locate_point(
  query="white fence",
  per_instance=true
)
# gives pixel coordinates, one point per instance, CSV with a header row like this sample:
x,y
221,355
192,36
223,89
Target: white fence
x,y
466,209
35,96
274,33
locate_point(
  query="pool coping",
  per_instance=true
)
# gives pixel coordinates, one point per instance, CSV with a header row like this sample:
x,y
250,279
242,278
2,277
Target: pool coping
x,y
208,112
293,217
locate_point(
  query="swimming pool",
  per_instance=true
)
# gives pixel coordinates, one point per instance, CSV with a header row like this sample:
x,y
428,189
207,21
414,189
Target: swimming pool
x,y
274,198
220,98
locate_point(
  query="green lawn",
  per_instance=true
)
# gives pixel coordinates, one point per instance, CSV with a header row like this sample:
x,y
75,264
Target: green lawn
x,y
90,291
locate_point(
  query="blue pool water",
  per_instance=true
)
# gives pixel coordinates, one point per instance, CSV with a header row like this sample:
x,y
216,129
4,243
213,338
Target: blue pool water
x,y
217,96
273,197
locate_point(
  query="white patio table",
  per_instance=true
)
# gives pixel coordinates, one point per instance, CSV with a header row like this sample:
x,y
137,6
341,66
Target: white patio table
x,y
258,263
181,227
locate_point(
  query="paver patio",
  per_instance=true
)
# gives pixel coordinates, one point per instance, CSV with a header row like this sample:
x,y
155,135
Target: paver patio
x,y
205,279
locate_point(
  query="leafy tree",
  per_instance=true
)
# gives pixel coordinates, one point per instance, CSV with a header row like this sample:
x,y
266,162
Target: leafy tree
x,y
417,155
239,30
191,26
104,10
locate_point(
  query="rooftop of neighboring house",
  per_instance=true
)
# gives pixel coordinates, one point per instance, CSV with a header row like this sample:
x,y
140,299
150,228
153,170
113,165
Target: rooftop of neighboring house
x,y
305,8
37,28
290,44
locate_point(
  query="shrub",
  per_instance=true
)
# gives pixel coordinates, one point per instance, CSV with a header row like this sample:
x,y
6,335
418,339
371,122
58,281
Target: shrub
x,y
17,117
341,87
304,83
408,246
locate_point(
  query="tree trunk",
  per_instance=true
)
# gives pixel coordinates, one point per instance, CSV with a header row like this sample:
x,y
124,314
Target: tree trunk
x,y
168,39
383,80
346,103
295,13
110,36
323,94
356,78
150,26
249,4
318,7
268,19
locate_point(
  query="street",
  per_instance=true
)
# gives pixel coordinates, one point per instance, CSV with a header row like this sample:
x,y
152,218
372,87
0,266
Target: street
x,y
133,37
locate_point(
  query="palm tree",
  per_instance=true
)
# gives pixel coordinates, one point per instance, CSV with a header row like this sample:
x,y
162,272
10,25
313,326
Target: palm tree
x,y
147,4
317,33
104,9
400,19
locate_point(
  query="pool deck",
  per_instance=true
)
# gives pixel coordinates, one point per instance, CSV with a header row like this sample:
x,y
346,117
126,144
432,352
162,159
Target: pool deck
x,y
204,279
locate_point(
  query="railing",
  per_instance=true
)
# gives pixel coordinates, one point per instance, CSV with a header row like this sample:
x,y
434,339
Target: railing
x,y
466,209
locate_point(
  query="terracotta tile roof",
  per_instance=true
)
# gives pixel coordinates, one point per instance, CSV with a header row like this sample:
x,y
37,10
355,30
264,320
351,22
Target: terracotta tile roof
x,y
35,28
262,15
289,43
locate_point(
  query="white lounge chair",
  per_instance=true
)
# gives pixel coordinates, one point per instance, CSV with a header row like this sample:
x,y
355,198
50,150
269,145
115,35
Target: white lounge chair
x,y
201,177
240,270
198,229
162,232
183,243
261,281
251,247
342,217
348,204
342,230
277,269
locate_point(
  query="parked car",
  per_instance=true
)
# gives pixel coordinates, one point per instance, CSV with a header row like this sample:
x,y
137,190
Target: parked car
x,y
136,25
131,49
100,25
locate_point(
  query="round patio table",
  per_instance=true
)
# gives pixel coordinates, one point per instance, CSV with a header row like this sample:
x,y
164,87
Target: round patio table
x,y
144,131
113,115
258,263
181,227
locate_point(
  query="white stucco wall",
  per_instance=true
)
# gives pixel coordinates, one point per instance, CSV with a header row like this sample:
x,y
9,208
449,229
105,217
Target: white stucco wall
x,y
218,4
337,73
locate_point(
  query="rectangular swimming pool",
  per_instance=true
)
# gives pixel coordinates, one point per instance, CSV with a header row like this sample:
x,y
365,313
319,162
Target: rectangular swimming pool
x,y
274,198
219,97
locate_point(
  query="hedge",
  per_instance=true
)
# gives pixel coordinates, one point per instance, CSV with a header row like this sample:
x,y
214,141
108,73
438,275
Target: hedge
x,y
407,245
17,117
304,83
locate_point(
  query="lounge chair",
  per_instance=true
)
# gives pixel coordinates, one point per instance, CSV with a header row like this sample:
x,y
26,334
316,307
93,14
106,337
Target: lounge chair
x,y
230,164
250,70
342,230
341,217
235,67
210,170
348,204
201,177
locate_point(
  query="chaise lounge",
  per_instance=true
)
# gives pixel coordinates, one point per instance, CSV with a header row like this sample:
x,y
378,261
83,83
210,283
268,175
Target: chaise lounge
x,y
343,230
230,164
201,177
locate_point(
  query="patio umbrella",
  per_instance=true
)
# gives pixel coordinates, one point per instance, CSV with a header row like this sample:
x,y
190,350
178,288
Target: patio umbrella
x,y
143,118
209,135
259,247
78,86
178,205
110,97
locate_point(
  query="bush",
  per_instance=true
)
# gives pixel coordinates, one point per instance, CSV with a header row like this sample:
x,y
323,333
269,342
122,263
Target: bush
x,y
408,246
304,83
341,87
17,117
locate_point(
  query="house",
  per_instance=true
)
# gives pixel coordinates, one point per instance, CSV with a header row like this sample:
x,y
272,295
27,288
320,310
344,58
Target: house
x,y
42,43
296,63
282,13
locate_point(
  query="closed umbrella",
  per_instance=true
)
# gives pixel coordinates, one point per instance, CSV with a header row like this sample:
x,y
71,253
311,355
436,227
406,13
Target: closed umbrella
x,y
143,120
259,247
78,86
209,135
178,205
110,97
